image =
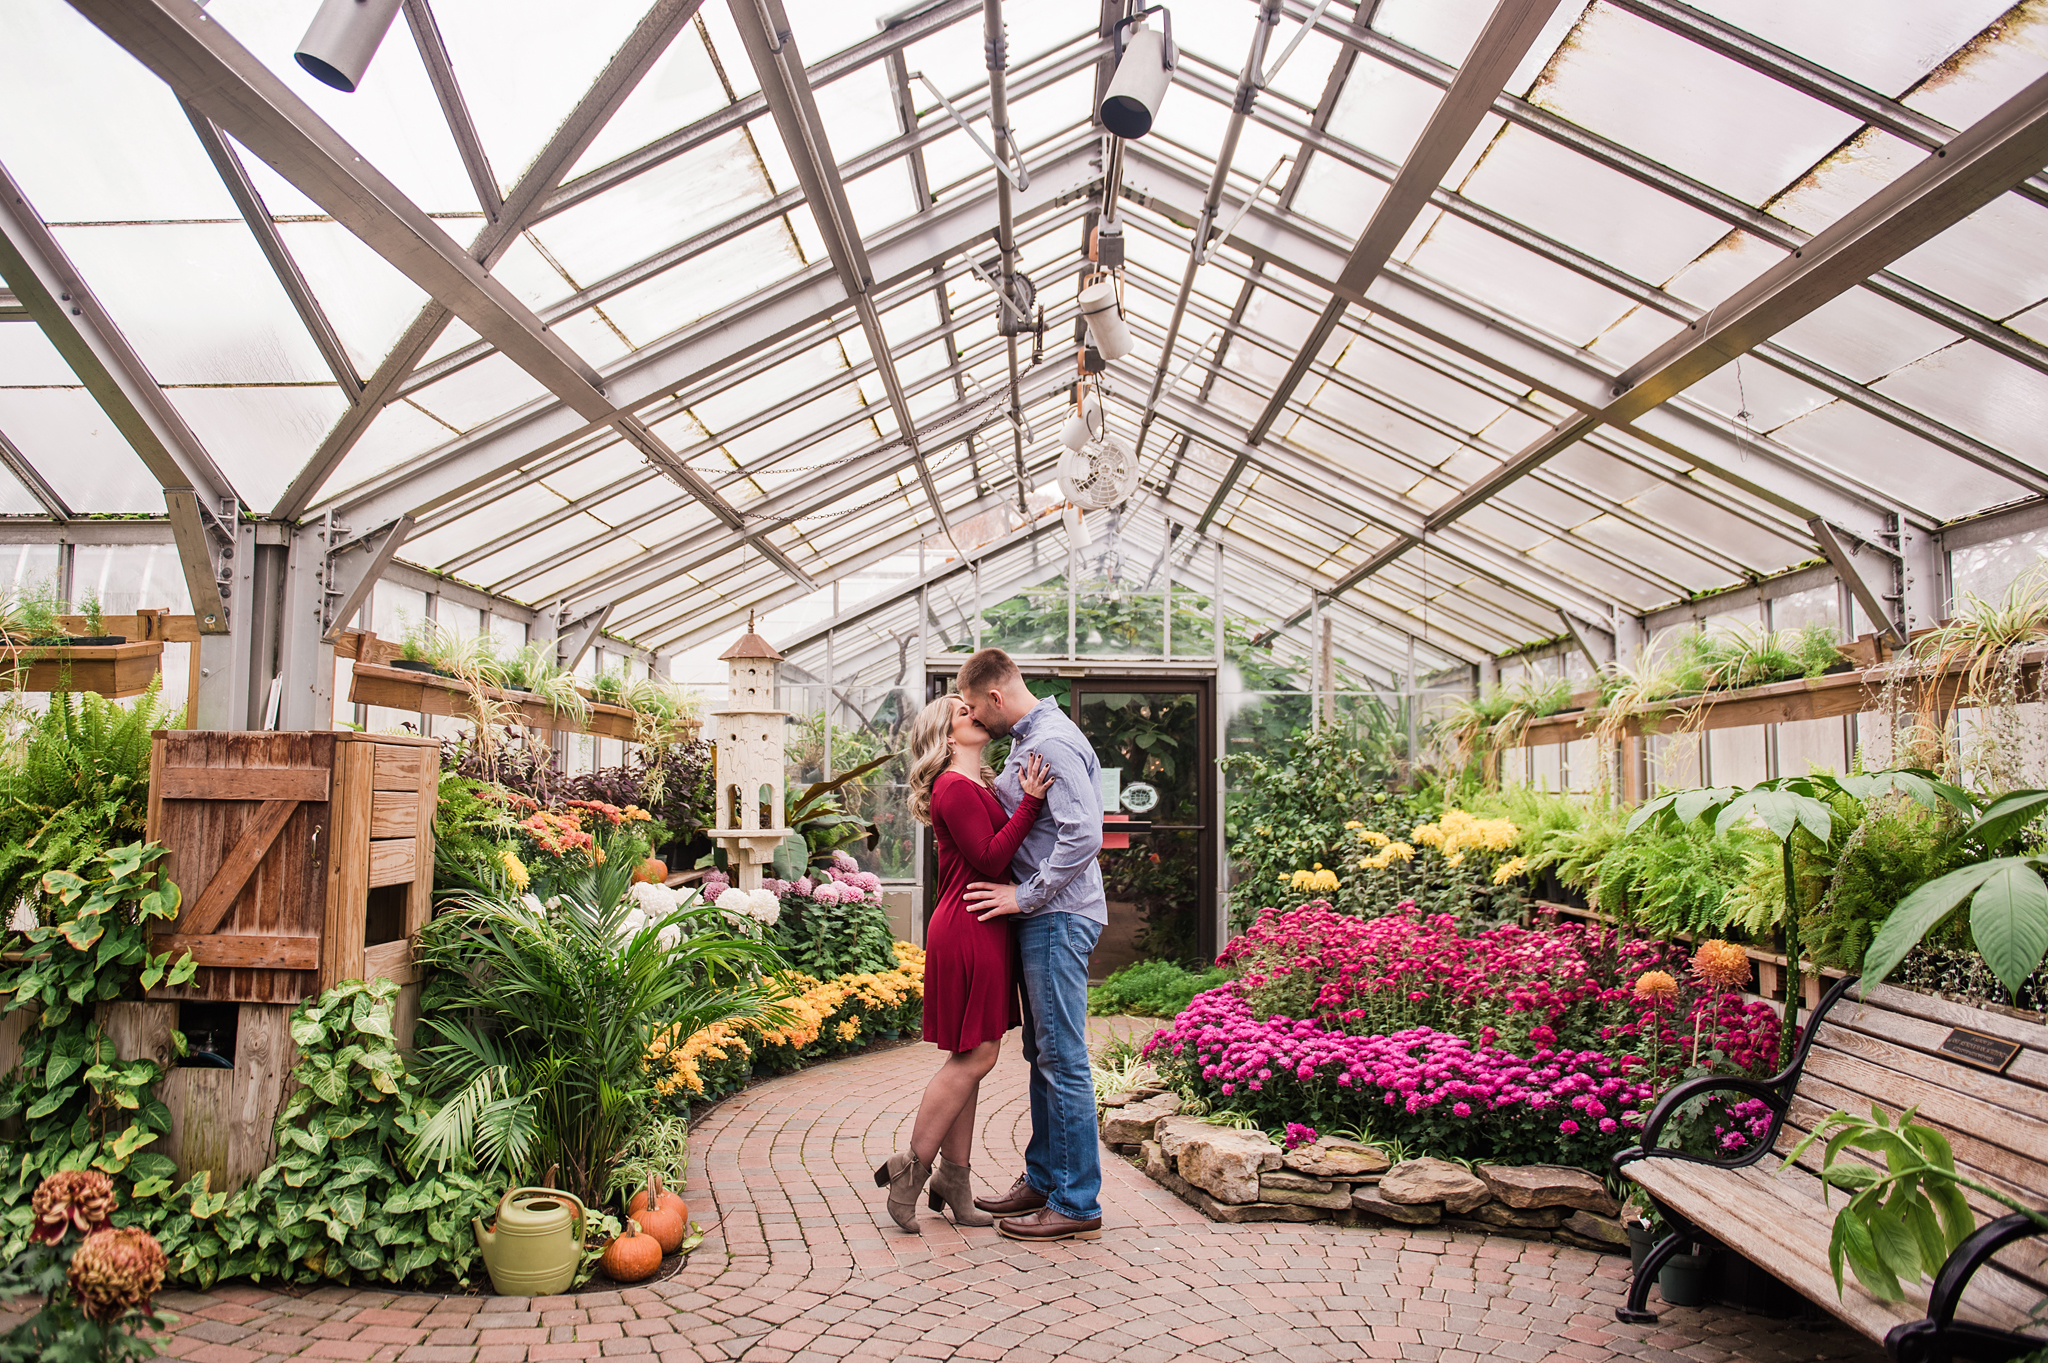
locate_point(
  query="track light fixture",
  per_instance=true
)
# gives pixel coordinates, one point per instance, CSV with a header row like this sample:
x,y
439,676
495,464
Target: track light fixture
x,y
342,38
1145,63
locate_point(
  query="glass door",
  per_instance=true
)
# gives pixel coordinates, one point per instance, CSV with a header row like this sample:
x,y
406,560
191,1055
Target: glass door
x,y
1152,738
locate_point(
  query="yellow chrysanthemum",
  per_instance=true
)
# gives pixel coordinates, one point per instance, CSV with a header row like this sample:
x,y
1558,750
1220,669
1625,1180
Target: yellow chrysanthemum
x,y
515,869
1457,831
1372,837
1353,823
1509,869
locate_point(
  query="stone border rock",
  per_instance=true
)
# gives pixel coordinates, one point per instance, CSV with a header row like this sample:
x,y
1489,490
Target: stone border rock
x,y
1236,1176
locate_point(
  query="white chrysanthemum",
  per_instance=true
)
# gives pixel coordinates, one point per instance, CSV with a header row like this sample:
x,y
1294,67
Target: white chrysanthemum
x,y
735,901
657,901
670,937
767,906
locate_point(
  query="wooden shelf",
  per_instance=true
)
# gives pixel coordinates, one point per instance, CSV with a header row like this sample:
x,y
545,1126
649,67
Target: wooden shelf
x,y
428,693
1856,691
116,670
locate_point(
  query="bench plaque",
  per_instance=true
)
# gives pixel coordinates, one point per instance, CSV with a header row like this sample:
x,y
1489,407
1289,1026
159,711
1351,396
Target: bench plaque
x,y
1979,1050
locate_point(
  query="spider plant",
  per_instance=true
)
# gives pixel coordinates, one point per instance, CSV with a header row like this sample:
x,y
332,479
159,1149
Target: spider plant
x,y
1983,638
612,686
1528,699
531,668
659,709
537,1039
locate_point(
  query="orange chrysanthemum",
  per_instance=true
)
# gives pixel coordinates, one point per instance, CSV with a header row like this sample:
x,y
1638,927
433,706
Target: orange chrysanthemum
x,y
1654,986
1721,965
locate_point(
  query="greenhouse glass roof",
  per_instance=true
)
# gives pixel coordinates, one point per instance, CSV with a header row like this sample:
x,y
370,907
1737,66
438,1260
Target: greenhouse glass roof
x,y
1480,319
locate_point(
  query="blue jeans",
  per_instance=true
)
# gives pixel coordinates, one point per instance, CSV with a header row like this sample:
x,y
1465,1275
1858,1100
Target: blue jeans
x,y
1063,1160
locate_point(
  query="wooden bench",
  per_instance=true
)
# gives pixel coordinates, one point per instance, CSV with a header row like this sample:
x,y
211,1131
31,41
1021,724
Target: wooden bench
x,y
1886,1047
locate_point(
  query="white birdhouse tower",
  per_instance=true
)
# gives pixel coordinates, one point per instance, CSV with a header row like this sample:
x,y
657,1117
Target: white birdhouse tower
x,y
748,766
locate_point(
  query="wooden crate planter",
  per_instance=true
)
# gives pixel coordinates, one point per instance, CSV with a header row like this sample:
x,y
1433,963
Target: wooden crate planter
x,y
304,859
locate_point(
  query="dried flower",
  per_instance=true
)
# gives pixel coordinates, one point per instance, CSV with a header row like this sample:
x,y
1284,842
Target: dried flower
x,y
115,1272
1721,965
1656,986
81,1200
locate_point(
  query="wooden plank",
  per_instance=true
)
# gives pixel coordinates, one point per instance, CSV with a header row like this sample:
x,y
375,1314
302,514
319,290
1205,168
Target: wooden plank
x,y
1969,1100
1925,1035
424,693
199,1100
140,1030
394,813
419,899
117,670
390,961
160,626
269,953
241,862
1790,1246
256,783
393,861
405,1014
13,1026
400,767
263,1059
348,873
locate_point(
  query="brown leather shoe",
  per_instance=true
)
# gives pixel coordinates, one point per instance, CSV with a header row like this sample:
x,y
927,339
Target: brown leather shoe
x,y
1021,1198
1047,1224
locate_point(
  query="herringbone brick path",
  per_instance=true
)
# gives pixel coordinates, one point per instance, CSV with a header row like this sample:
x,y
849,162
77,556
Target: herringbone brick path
x,y
801,1264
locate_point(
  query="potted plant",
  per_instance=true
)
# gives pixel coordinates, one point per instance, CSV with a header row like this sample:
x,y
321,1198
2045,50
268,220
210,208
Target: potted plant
x,y
612,686
416,647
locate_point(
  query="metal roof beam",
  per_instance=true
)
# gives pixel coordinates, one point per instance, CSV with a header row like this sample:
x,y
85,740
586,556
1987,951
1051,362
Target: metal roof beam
x,y
1998,151
778,64
27,475
619,78
700,352
1705,198
1510,31
1809,78
1577,377
197,494
426,35
1648,295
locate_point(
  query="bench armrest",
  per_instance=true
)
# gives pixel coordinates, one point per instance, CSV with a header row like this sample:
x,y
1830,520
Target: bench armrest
x,y
1677,1096
1923,1340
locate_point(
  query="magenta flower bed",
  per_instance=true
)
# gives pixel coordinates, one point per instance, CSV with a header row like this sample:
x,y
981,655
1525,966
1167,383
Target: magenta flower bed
x,y
1433,1091
1517,1044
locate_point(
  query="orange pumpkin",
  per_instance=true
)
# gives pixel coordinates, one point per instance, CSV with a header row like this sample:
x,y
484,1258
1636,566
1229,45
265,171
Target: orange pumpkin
x,y
653,871
661,1214
632,1257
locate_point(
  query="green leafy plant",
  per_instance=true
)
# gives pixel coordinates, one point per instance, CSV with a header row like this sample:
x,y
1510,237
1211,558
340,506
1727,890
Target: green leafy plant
x,y
95,615
822,823
77,784
1905,1216
1154,989
826,941
2008,903
540,1020
1287,809
342,1203
660,1149
80,1105
612,686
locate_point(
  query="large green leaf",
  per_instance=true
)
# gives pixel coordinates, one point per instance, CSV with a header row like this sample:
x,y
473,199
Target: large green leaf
x,y
2006,818
1917,913
2009,920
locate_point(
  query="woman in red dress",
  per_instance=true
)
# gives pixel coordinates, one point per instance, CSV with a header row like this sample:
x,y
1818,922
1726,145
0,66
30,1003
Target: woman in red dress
x,y
970,994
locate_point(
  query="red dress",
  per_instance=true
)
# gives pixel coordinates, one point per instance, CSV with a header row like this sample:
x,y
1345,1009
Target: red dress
x,y
970,993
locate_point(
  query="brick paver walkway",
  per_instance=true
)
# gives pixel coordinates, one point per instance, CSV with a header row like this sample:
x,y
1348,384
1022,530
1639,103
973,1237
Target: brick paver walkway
x,y
801,1264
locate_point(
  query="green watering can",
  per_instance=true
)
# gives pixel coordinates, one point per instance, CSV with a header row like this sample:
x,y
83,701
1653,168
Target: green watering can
x,y
530,1252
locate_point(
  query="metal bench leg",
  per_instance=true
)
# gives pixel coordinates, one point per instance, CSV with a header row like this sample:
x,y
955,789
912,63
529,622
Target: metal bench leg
x,y
1637,1311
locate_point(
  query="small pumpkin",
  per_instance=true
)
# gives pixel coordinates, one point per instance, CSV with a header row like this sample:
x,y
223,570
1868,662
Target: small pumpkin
x,y
633,1257
661,1214
653,871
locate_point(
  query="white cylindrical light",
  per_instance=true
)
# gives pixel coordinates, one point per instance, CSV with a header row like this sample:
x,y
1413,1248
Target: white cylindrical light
x,y
1084,424
342,38
1132,101
1098,309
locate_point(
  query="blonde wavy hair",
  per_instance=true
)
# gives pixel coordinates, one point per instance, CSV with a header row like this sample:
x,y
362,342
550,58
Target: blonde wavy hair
x,y
931,752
